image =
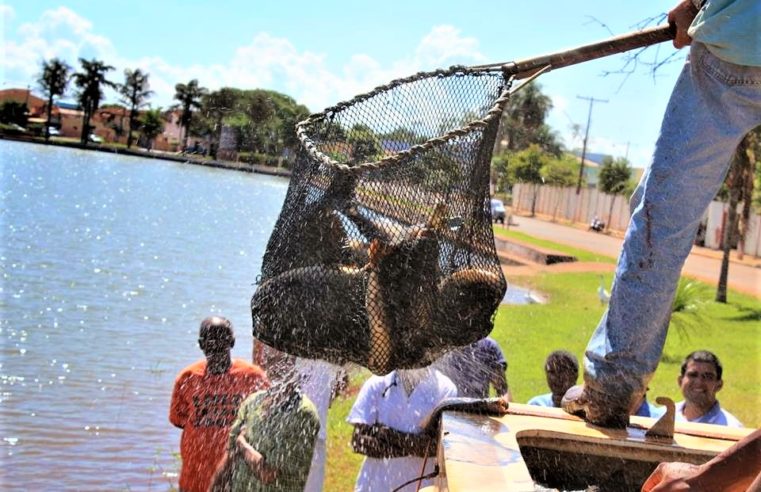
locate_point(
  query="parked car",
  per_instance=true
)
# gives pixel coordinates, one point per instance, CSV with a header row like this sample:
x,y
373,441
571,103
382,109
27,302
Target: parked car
x,y
54,132
95,139
497,211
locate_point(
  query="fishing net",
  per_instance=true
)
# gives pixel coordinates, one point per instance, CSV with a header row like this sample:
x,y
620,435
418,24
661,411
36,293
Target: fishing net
x,y
383,253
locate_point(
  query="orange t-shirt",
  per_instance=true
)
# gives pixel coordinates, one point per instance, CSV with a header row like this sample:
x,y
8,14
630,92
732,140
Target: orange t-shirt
x,y
204,406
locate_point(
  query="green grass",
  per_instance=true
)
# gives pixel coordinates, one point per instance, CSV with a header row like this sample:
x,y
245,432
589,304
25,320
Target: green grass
x,y
528,333
342,463
580,254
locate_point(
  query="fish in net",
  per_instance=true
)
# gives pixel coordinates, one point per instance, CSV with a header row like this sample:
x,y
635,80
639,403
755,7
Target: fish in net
x,y
383,254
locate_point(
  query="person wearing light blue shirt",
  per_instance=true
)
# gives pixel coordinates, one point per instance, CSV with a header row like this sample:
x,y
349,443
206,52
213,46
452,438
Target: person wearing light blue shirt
x,y
544,400
647,409
716,101
700,380
562,371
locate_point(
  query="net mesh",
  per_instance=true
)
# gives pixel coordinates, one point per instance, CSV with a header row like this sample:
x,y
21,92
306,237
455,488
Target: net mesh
x,y
383,253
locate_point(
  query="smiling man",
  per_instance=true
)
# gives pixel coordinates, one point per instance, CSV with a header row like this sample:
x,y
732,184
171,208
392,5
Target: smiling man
x,y
700,380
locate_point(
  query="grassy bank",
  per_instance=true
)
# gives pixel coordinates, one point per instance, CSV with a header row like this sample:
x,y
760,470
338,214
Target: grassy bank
x,y
580,254
528,333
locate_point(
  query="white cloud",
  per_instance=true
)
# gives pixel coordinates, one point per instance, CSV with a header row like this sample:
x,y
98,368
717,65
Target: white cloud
x,y
60,32
444,44
266,62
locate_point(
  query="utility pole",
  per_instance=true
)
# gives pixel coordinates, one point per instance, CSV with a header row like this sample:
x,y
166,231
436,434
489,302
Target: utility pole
x,y
591,100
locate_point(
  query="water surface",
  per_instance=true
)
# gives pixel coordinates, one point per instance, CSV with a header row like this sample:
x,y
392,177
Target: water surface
x,y
108,265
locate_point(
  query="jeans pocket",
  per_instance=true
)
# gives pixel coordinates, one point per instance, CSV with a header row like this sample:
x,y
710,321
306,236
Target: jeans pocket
x,y
728,73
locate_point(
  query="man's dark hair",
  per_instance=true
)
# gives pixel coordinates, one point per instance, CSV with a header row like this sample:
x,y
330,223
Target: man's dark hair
x,y
562,361
706,357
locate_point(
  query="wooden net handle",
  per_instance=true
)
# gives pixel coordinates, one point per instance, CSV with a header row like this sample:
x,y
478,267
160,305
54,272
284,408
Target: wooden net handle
x,y
580,54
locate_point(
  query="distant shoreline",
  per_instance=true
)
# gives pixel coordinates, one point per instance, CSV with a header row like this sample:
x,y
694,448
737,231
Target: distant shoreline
x,y
183,159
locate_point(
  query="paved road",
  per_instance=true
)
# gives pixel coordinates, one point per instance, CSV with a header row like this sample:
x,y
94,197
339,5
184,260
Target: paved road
x,y
703,264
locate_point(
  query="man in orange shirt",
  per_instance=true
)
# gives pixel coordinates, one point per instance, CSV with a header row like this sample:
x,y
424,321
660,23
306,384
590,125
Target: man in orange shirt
x,y
205,400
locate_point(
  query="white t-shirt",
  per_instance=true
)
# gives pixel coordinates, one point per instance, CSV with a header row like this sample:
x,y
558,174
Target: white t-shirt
x,y
382,400
316,379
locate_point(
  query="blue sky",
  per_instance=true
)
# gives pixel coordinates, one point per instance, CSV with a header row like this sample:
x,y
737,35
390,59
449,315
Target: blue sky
x,y
324,52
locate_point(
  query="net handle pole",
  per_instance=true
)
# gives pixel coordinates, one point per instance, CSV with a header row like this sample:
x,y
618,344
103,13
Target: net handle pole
x,y
611,46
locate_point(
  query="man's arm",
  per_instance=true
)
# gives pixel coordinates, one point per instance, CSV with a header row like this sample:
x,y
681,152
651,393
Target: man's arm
x,y
380,441
255,460
178,408
499,381
733,470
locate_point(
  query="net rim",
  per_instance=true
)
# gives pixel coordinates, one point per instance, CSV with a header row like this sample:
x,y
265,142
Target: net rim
x,y
494,112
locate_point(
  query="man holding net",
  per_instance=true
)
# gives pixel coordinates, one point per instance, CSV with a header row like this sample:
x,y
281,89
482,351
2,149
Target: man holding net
x,y
715,103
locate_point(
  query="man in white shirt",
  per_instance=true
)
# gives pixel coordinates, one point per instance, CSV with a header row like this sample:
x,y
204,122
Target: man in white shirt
x,y
387,416
317,379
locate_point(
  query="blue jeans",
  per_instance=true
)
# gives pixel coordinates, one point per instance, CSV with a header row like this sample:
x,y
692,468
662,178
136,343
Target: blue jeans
x,y
713,105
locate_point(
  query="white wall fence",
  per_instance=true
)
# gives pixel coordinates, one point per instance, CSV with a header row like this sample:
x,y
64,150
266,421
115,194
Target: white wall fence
x,y
564,204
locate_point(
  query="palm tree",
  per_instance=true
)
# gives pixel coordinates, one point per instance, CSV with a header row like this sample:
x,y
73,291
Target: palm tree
x,y
134,93
189,96
152,124
523,122
90,81
53,80
739,182
688,307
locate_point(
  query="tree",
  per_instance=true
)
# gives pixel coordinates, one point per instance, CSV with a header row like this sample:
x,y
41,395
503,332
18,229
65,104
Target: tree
x,y
13,112
134,93
614,180
560,172
151,125
90,81
739,182
522,122
189,95
688,307
501,173
53,80
752,145
364,143
263,121
215,106
289,114
260,109
528,166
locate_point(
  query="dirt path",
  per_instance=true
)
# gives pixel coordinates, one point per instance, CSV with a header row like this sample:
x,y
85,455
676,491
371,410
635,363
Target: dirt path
x,y
702,264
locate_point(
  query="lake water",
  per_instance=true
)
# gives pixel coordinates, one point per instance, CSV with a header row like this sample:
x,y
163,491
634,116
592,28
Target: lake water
x,y
108,265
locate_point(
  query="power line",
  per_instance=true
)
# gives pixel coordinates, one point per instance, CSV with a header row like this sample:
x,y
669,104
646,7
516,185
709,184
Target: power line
x,y
591,100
